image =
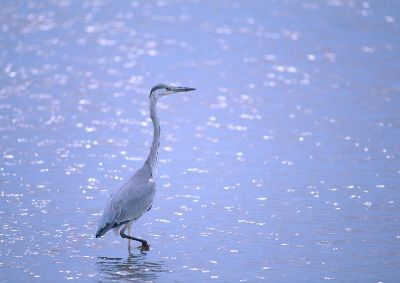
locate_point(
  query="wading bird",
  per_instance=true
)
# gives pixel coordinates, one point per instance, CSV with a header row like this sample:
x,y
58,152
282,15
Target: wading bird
x,y
136,196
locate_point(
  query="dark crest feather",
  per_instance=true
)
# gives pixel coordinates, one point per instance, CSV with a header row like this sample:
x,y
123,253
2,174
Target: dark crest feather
x,y
157,86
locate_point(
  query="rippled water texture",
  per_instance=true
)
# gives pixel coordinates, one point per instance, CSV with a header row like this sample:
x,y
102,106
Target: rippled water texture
x,y
283,165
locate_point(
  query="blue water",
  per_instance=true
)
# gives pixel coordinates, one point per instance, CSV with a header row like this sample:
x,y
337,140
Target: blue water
x,y
283,166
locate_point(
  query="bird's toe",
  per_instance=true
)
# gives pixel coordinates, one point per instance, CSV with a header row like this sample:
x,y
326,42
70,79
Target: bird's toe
x,y
145,247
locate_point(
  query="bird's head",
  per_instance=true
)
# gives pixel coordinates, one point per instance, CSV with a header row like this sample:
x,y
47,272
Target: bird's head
x,y
160,90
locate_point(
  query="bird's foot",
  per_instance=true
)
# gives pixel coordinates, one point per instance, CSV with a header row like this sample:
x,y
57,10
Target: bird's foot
x,y
145,247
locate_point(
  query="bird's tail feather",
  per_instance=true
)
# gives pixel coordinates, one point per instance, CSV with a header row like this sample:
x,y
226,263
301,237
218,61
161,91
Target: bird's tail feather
x,y
100,232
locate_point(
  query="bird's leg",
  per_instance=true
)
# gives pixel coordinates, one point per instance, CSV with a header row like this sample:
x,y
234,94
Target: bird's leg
x,y
145,246
129,225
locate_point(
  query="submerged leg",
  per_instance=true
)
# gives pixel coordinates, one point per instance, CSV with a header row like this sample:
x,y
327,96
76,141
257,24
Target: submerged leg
x,y
145,246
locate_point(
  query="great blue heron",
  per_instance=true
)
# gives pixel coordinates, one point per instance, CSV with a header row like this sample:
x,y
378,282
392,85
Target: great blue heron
x,y
136,196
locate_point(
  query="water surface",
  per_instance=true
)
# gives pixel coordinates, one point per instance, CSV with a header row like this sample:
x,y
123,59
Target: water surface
x,y
282,166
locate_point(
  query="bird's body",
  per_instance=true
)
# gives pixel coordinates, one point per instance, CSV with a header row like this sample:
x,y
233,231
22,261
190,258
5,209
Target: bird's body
x,y
129,202
135,197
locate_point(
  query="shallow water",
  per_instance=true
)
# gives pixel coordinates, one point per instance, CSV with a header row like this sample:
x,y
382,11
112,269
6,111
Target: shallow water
x,y
283,165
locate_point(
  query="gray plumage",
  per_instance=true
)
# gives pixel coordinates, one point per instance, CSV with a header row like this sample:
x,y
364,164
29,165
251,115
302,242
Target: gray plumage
x,y
129,202
135,197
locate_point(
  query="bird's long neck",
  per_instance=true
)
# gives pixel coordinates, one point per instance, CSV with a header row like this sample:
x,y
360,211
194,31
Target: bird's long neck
x,y
152,158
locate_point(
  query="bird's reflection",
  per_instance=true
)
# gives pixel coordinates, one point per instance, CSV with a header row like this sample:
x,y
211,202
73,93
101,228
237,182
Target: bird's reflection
x,y
132,268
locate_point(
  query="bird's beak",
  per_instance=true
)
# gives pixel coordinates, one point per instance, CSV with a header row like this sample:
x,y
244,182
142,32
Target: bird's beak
x,y
183,89
175,89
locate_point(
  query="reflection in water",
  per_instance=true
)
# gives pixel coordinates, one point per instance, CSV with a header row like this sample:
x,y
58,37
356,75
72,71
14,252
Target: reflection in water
x,y
133,268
